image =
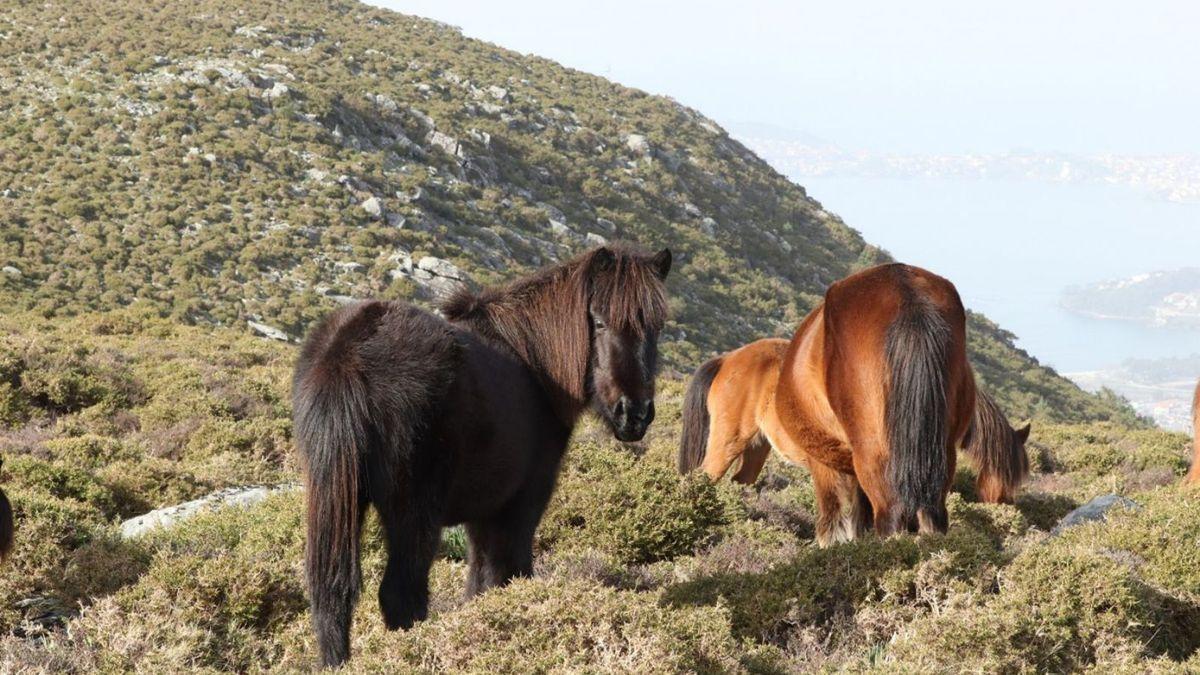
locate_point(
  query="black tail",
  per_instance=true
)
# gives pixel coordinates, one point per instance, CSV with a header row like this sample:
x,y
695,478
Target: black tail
x,y
695,416
918,350
362,388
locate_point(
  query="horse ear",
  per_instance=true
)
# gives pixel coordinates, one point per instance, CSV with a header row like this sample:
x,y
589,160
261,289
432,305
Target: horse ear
x,y
1023,433
662,263
603,260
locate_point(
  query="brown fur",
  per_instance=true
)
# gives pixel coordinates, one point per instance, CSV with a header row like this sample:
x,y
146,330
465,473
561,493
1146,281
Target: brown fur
x,y
436,421
825,403
998,452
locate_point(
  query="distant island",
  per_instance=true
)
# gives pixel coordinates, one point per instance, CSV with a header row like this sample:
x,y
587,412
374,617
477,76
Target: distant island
x,y
1166,298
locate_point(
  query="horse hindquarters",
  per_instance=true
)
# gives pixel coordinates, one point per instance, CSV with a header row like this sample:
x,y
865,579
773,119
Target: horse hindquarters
x,y
364,385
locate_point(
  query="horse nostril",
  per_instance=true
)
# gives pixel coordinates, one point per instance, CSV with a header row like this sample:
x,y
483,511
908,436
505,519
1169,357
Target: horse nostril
x,y
647,414
621,408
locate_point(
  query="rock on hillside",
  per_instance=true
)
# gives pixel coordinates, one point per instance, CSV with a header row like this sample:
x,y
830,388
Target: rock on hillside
x,y
227,162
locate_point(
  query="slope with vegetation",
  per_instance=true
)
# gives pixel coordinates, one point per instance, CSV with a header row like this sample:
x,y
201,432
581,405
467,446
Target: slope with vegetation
x,y
174,176
227,162
638,570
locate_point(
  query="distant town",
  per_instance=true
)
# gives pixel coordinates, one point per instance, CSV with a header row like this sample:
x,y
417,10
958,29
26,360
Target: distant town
x,y
1175,178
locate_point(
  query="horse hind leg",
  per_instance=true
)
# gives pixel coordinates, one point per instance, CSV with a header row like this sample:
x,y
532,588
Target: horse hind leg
x,y
753,459
726,444
412,529
841,515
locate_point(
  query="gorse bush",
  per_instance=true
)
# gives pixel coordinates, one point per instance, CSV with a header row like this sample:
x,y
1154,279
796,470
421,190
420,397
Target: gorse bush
x,y
639,512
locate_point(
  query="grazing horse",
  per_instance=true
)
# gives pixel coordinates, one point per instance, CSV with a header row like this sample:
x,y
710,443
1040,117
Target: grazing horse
x,y
465,419
6,523
873,393
998,452
1193,477
739,386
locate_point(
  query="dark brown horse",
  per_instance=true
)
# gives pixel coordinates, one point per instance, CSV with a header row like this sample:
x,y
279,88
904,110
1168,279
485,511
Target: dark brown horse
x,y
6,522
465,419
738,387
873,393
1193,477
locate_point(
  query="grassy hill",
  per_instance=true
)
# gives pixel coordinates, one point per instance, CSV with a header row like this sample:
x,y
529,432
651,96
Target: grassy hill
x,y
255,164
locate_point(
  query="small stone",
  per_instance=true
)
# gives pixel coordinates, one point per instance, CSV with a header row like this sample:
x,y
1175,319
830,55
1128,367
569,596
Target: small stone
x,y
373,207
638,144
1095,510
277,90
595,239
439,267
173,515
498,93
11,271
268,331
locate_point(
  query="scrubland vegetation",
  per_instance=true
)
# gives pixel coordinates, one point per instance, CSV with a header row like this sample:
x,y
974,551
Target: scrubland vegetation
x,y
174,173
639,570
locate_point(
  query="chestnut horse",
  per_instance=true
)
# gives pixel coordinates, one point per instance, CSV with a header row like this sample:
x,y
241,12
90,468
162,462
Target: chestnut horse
x,y
873,393
464,419
1193,477
740,385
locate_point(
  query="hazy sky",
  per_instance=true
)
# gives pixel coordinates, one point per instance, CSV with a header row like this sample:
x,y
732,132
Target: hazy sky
x,y
917,76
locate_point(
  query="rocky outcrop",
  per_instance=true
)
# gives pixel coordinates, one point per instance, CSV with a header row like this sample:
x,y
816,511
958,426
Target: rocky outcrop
x,y
1095,510
173,515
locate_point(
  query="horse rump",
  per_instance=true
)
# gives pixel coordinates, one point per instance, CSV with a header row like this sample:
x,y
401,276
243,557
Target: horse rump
x,y
694,439
363,386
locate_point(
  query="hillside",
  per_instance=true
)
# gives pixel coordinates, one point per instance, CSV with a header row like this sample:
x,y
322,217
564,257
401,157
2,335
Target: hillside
x,y
253,165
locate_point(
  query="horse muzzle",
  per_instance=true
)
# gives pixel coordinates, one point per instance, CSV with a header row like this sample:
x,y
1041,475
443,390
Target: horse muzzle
x,y
630,419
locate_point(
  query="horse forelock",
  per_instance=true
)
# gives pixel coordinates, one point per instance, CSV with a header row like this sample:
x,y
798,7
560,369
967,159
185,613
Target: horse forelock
x,y
629,293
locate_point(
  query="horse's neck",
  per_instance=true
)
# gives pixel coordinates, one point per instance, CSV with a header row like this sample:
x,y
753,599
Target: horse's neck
x,y
568,402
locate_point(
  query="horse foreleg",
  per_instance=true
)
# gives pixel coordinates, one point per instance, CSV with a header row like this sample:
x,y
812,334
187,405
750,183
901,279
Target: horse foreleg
x,y
501,548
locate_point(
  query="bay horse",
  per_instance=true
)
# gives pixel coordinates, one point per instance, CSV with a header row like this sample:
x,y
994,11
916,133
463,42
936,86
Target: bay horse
x,y
740,386
873,393
1193,476
464,419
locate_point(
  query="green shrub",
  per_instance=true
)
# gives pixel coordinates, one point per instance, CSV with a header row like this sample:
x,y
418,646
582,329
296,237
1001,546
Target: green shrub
x,y
536,626
639,511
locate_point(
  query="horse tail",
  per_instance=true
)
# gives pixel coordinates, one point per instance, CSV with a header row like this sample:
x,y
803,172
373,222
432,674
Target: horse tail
x,y
918,356
363,384
1000,459
694,440
6,526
